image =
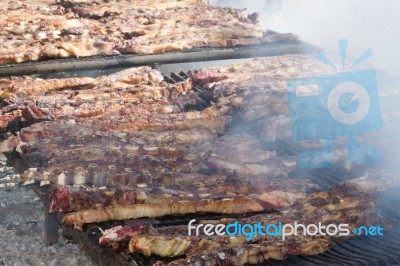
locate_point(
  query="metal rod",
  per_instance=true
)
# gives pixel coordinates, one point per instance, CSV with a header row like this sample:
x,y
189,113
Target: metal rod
x,y
50,219
105,62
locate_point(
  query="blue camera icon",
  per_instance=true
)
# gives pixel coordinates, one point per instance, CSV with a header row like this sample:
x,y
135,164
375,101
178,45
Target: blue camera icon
x,y
332,106
327,107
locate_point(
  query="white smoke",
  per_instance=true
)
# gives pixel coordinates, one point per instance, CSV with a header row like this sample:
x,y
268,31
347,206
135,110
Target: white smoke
x,y
373,24
366,24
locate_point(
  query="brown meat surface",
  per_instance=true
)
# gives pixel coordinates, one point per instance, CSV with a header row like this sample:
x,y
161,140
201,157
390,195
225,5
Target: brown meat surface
x,y
43,29
347,206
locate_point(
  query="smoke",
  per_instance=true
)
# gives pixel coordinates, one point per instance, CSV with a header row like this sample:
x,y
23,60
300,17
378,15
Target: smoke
x,y
365,23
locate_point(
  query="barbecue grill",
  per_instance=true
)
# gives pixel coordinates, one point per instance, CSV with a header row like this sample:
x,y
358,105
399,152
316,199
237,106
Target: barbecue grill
x,y
379,250
382,250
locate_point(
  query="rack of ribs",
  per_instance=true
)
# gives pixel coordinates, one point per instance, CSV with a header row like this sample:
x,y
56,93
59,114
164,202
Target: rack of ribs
x,y
43,29
125,146
350,207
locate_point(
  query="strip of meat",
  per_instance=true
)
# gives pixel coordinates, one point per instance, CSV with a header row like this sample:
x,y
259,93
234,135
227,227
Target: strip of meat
x,y
43,29
120,167
29,85
278,166
211,118
237,148
178,187
140,119
84,87
242,195
82,158
138,75
140,91
271,71
327,206
47,152
167,187
144,239
73,162
239,205
81,133
76,99
73,145
78,160
348,207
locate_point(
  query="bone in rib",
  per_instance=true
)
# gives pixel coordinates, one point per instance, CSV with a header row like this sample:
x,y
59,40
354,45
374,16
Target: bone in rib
x,y
180,187
348,206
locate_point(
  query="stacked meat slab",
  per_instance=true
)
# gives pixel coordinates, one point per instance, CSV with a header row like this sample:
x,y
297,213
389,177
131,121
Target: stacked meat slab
x,y
128,145
43,29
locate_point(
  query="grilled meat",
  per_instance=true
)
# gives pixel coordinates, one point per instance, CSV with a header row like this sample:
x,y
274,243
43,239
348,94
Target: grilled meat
x,y
83,134
237,148
274,167
44,29
56,155
132,116
135,99
130,150
351,207
371,182
237,205
175,187
27,85
188,194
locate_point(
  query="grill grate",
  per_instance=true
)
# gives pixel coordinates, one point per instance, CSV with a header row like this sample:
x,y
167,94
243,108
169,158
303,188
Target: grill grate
x,y
378,250
383,250
203,99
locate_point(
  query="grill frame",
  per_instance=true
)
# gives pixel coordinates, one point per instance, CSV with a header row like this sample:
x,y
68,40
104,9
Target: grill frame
x,y
128,60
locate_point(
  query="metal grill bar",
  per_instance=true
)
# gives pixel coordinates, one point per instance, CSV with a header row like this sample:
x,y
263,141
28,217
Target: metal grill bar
x,y
195,55
203,99
382,248
335,260
293,261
